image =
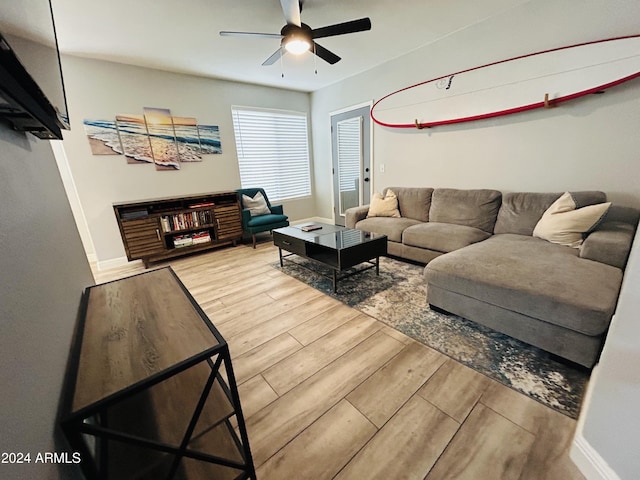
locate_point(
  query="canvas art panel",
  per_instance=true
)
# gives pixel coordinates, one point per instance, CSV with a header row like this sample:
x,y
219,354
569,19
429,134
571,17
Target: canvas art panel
x,y
134,138
103,137
209,139
188,141
162,138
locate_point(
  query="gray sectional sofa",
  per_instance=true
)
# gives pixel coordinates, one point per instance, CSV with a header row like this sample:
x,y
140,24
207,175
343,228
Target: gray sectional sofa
x,y
484,264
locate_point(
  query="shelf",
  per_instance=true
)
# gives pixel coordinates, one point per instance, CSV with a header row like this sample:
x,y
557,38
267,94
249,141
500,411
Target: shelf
x,y
144,414
187,220
188,230
194,248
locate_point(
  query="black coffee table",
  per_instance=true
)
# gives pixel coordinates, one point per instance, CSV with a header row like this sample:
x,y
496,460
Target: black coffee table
x,y
333,246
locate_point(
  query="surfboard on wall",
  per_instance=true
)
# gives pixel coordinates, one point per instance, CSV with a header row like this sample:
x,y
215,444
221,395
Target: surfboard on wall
x,y
527,82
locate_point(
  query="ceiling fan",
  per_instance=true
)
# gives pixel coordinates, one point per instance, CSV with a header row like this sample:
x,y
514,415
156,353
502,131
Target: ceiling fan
x,y
297,37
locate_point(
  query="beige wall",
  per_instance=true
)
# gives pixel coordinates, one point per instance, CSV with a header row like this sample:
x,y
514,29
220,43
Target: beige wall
x,y
43,271
591,143
101,90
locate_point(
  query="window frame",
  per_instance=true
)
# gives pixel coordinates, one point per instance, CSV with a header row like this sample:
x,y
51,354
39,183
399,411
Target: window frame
x,y
284,162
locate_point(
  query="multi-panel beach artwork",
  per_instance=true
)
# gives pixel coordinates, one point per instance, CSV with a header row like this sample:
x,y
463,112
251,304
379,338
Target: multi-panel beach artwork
x,y
155,137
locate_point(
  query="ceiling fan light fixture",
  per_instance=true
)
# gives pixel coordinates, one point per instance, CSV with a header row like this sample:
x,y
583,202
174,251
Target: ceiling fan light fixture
x,y
297,37
297,45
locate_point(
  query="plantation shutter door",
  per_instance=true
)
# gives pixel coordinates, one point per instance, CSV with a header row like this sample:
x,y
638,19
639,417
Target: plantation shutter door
x,y
349,140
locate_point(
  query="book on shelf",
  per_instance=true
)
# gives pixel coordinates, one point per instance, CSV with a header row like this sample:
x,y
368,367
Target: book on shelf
x,y
201,237
202,205
186,220
311,227
188,239
182,241
166,225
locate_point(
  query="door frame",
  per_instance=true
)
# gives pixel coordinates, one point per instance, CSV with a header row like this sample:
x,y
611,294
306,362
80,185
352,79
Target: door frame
x,y
333,113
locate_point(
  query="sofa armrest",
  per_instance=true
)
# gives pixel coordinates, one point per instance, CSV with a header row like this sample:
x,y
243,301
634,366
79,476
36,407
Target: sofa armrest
x,y
610,243
277,209
354,214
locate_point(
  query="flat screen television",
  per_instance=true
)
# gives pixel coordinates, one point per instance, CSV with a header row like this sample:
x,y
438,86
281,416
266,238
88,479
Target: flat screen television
x,y
32,97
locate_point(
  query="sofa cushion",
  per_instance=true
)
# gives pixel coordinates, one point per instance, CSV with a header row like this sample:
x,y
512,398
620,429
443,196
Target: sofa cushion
x,y
442,237
384,206
389,226
414,202
262,220
565,224
521,211
619,213
610,243
531,276
472,208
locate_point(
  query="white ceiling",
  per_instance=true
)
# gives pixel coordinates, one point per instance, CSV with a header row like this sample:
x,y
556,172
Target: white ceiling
x,y
183,36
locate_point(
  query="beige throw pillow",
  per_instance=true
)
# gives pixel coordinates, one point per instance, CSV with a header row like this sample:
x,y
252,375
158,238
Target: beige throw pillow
x,y
386,206
563,224
256,205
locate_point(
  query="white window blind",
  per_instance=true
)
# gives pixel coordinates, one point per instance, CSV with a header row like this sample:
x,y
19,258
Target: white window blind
x,y
273,152
349,152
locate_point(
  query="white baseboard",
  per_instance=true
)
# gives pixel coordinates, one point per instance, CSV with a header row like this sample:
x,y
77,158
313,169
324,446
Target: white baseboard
x,y
115,263
589,461
121,261
586,458
313,219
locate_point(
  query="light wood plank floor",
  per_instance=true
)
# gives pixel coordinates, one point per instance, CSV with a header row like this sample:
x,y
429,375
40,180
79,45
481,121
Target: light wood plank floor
x,y
328,392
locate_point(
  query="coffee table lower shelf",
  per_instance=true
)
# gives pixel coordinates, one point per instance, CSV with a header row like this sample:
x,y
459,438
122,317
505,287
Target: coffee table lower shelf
x,y
335,278
335,247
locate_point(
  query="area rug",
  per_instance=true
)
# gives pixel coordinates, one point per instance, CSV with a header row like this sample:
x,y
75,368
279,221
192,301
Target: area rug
x,y
398,298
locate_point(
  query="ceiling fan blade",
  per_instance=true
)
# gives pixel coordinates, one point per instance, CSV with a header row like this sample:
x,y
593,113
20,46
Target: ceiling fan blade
x,y
275,57
250,34
291,10
325,54
353,26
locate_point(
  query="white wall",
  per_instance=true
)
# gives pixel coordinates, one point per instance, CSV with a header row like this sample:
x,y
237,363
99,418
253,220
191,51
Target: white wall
x,y
102,90
591,143
43,271
611,422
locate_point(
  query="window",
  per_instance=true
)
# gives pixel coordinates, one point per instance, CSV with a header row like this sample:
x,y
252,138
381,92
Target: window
x,y
273,152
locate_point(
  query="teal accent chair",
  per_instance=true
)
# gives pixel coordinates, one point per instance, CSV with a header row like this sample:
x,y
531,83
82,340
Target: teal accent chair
x,y
261,223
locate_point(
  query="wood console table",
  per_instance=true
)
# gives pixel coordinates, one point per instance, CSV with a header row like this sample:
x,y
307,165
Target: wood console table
x,y
161,228
151,392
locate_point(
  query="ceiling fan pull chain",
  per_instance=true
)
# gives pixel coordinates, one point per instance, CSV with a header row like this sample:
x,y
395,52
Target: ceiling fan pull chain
x,y
315,58
281,64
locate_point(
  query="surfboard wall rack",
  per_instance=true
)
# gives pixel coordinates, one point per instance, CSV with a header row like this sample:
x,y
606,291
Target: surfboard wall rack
x,y
513,85
547,103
